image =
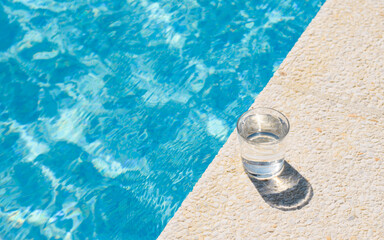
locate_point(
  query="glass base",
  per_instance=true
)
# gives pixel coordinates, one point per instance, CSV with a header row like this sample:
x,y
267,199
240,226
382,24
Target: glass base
x,y
261,172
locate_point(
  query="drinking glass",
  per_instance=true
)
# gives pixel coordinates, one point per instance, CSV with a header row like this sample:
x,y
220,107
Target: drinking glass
x,y
262,133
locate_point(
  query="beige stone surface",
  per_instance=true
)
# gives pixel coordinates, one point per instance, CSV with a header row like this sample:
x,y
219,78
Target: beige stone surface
x,y
331,87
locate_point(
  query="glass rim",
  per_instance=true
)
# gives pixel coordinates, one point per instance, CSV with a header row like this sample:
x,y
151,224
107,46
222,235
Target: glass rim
x,y
263,108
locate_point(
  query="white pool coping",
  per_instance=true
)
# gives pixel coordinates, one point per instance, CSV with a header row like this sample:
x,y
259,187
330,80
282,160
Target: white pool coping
x,y
331,87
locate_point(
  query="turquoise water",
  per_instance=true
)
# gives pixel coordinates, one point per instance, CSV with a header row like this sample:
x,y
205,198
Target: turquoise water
x,y
110,111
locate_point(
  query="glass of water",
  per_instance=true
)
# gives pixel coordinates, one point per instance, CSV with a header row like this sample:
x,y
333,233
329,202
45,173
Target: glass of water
x,y
261,133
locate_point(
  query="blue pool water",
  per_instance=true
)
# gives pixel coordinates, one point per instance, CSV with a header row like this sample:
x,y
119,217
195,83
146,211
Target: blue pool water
x,y
110,111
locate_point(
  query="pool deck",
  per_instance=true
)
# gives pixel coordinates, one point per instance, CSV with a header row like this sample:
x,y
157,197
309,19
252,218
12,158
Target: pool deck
x,y
331,87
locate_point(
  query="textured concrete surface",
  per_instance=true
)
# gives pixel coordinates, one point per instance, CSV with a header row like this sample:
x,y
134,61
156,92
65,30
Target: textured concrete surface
x,y
331,87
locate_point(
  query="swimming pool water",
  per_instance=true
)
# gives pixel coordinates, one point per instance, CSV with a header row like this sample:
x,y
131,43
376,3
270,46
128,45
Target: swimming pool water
x,y
110,111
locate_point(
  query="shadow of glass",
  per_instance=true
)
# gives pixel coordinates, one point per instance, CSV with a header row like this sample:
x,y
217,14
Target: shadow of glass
x,y
288,191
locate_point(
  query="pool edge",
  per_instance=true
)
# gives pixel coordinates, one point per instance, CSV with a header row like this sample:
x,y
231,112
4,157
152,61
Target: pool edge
x,y
309,79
